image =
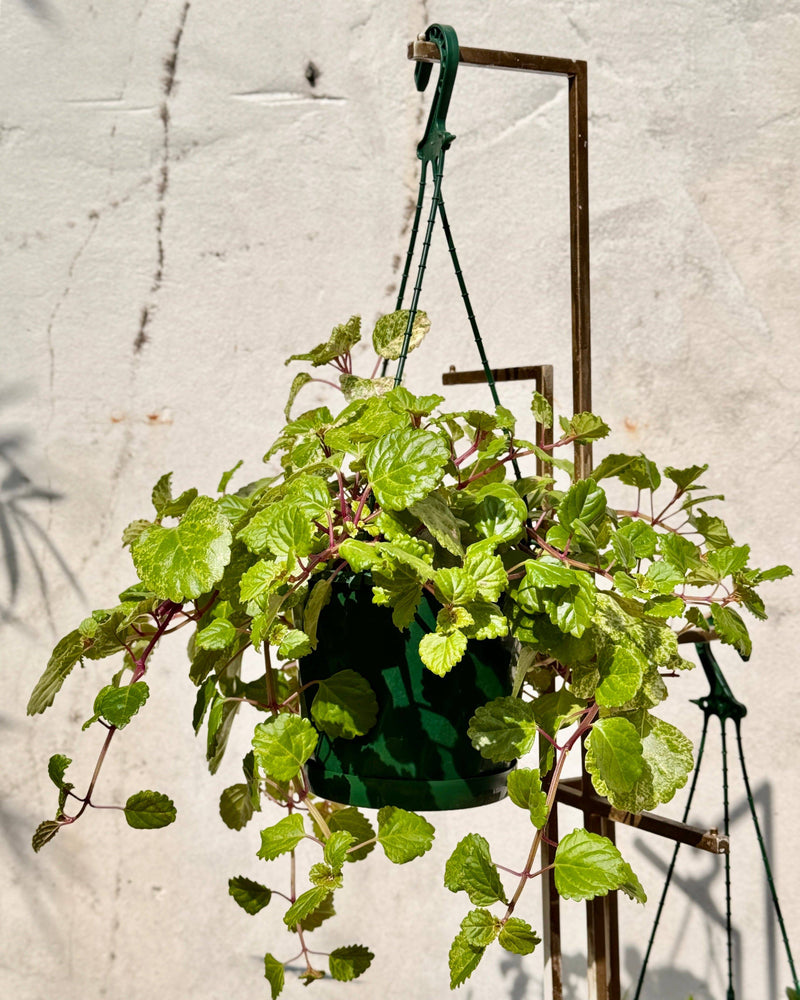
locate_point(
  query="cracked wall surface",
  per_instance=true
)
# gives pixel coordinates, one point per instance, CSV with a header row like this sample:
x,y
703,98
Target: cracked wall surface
x,y
190,192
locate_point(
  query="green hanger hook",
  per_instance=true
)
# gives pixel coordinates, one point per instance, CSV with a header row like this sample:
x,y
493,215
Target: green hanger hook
x,y
436,138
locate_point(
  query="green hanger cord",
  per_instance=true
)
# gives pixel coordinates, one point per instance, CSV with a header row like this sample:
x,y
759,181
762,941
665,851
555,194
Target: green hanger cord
x,y
431,149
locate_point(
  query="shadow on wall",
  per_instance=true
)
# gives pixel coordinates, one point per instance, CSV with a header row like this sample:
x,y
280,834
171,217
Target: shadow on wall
x,y
705,895
42,9
24,542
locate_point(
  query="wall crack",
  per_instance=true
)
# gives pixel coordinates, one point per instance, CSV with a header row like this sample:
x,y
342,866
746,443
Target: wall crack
x,y
167,87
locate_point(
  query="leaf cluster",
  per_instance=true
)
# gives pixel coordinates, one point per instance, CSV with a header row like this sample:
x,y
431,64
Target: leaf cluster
x,y
419,500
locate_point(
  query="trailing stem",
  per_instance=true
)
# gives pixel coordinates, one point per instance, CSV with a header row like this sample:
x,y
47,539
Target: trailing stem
x,y
527,872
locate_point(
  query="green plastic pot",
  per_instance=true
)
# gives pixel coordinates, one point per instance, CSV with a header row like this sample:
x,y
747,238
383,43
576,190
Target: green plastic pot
x,y
418,755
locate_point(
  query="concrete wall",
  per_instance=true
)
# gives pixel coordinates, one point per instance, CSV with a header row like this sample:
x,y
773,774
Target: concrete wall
x,y
181,209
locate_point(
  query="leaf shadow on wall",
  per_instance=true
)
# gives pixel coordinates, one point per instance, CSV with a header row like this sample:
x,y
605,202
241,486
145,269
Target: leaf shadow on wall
x,y
28,554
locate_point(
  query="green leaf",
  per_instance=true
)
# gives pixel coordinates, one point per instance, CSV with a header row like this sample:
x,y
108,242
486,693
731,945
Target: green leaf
x,y
729,559
566,595
480,928
463,960
525,791
132,531
622,548
67,653
440,522
633,470
713,529
349,962
470,867
260,582
44,833
226,477
668,760
613,619
440,653
56,769
360,555
317,917
615,750
283,528
679,552
404,466
403,835
402,591
584,501
503,729
390,330
292,643
283,744
588,865
352,821
186,561
118,705
322,874
250,895
162,493
403,401
486,569
621,673
336,848
450,618
344,705
732,630
301,379
318,598
149,810
547,460
518,936
542,410
220,723
641,536
487,621
683,478
585,427
218,634
236,806
412,553
499,512
525,661
342,340
354,387
454,586
274,974
305,904
775,573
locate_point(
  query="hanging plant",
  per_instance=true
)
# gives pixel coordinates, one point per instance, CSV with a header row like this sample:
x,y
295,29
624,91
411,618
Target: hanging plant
x,y
394,557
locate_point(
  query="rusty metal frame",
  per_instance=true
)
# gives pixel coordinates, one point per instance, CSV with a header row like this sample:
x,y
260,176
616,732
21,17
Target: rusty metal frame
x,y
540,375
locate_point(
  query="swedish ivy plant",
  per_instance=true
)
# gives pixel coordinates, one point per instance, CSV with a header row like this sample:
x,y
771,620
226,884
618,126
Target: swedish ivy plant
x,y
591,598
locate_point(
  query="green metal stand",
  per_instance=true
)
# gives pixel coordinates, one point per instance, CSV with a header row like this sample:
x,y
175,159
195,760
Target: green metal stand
x,y
721,703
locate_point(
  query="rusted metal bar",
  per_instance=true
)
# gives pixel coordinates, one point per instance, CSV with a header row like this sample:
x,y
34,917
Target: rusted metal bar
x,y
601,935
522,62
521,373
579,256
711,840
